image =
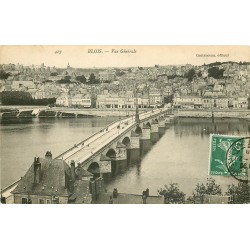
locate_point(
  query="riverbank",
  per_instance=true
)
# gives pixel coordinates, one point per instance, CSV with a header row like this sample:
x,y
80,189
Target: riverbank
x,y
43,111
239,113
93,112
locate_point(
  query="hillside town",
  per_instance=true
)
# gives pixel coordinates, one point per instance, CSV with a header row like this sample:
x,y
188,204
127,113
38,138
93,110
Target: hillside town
x,y
215,85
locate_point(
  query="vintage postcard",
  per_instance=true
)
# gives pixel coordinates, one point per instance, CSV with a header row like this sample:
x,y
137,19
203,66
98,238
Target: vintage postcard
x,y
125,124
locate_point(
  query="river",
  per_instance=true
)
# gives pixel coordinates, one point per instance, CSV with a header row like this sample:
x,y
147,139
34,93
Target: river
x,y
180,156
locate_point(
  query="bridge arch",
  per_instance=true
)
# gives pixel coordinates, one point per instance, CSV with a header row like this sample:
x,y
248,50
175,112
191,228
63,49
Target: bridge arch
x,y
138,130
126,141
148,124
94,168
156,120
111,154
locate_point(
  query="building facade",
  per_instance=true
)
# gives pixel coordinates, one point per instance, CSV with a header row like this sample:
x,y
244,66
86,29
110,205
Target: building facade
x,y
64,100
106,76
81,100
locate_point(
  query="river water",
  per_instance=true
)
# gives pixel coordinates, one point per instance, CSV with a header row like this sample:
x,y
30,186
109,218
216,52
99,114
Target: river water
x,y
180,156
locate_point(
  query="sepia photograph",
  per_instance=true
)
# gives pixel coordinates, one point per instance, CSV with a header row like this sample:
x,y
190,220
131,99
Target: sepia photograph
x,y
125,124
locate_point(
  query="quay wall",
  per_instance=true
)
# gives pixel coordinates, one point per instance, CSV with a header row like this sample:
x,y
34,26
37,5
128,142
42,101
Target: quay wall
x,y
216,113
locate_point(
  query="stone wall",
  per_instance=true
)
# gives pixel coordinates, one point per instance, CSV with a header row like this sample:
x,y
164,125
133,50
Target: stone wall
x,y
216,113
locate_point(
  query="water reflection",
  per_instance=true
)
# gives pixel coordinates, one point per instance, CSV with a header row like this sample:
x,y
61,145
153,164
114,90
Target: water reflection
x,y
205,127
25,138
181,155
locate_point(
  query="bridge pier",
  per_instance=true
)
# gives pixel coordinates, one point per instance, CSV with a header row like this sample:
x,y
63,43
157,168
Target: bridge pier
x,y
133,152
162,127
145,140
154,132
105,167
121,158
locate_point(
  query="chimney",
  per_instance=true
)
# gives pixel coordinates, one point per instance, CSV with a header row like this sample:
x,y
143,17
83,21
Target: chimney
x,y
48,155
73,171
37,170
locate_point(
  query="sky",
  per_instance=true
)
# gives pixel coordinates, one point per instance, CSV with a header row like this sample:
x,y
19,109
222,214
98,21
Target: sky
x,y
145,56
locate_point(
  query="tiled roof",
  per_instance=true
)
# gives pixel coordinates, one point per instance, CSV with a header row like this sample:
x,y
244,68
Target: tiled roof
x,y
81,191
53,174
83,173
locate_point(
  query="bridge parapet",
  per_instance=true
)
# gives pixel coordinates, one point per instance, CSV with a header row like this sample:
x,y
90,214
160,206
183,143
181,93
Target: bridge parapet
x,y
122,127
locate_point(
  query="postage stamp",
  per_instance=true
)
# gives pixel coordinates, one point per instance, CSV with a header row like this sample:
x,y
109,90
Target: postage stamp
x,y
230,156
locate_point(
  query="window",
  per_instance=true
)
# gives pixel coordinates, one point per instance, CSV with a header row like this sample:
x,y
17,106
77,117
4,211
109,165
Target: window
x,y
48,201
41,201
24,201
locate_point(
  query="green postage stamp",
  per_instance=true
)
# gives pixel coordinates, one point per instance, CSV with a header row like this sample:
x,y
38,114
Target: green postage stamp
x,y
229,156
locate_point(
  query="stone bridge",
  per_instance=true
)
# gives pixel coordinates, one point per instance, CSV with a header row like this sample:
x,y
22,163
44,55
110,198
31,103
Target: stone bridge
x,y
108,151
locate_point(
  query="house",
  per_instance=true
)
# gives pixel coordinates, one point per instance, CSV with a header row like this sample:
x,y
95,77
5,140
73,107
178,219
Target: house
x,y
167,91
207,102
114,101
221,102
81,100
218,87
106,76
101,101
187,102
240,102
19,85
39,94
53,181
47,181
64,100
155,97
143,101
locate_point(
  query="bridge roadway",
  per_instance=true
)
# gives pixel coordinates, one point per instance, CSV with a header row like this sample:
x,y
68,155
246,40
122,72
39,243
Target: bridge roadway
x,y
84,150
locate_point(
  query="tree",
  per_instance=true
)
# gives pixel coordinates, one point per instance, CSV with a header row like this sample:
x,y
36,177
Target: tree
x,y
119,72
172,194
210,188
23,98
66,79
92,79
190,75
54,74
240,193
215,72
81,79
16,98
4,75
